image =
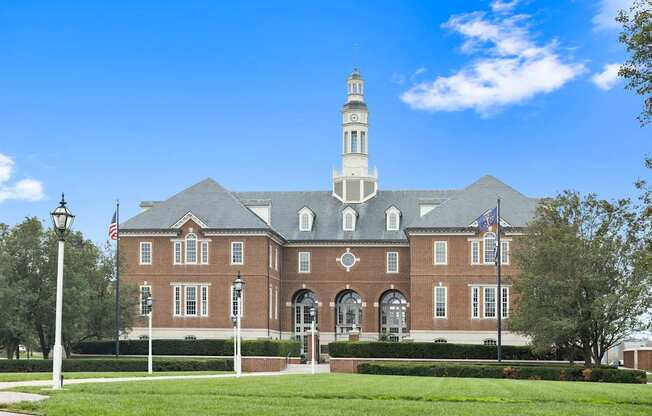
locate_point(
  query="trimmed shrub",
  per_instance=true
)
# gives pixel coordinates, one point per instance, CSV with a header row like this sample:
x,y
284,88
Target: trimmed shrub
x,y
208,347
92,365
607,375
364,349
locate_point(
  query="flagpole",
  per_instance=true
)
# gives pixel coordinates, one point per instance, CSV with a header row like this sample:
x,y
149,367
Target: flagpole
x,y
117,279
499,294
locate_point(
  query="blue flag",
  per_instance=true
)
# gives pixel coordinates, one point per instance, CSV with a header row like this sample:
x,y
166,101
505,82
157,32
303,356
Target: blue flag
x,y
487,220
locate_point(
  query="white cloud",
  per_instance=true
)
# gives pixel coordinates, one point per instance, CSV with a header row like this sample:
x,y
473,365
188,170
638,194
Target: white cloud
x,y
606,79
24,189
607,11
500,6
510,66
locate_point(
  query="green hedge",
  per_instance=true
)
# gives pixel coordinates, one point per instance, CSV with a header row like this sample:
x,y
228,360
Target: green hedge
x,y
514,372
116,364
363,349
210,347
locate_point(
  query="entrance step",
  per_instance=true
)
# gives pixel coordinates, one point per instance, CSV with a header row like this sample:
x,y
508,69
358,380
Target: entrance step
x,y
306,368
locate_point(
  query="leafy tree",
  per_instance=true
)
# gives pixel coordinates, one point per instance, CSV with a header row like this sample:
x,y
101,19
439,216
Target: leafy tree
x,y
585,275
28,288
637,38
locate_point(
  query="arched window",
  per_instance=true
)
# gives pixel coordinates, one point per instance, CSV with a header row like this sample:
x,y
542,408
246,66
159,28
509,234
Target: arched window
x,y
392,219
489,248
489,341
303,302
348,221
393,315
191,248
306,217
349,312
441,341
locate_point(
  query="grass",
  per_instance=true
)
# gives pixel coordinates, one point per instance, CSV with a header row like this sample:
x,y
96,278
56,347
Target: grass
x,y
5,377
345,394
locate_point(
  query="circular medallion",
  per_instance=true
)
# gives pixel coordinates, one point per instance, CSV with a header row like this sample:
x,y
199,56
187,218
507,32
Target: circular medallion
x,y
348,260
354,117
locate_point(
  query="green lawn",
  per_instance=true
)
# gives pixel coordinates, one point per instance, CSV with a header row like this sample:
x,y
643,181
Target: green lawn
x,y
346,394
70,376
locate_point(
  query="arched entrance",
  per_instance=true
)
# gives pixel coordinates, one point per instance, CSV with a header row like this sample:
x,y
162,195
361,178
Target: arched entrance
x,y
393,315
348,312
303,301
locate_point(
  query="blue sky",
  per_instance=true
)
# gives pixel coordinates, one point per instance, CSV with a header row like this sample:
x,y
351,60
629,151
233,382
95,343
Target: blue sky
x,y
138,100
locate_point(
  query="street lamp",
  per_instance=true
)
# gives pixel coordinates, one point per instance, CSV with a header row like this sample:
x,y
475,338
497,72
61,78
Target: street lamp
x,y
238,286
312,335
234,319
62,220
150,364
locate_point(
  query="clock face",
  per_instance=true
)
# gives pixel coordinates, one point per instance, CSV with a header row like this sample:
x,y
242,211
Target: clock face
x,y
354,117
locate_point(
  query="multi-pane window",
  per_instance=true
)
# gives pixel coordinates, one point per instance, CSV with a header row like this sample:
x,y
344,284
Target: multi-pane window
x,y
392,221
475,252
489,248
475,302
504,306
204,252
145,252
276,258
204,301
145,292
177,300
354,142
237,252
270,257
234,303
304,222
392,262
441,252
489,302
440,302
276,303
304,262
191,301
270,301
191,249
348,222
504,252
177,253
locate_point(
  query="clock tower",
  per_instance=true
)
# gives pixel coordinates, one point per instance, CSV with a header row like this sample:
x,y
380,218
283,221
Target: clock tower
x,y
355,183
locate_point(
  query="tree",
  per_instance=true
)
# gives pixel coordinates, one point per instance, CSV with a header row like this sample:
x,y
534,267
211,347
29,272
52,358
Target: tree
x,y
637,38
28,268
585,275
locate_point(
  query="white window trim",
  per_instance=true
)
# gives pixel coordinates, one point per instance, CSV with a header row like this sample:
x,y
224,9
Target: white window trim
x,y
475,289
203,303
387,263
174,252
349,211
140,254
185,300
204,246
434,252
445,302
271,264
233,243
174,300
276,303
484,302
271,299
185,252
242,307
504,312
504,261
484,260
392,211
309,262
140,296
311,216
276,258
475,243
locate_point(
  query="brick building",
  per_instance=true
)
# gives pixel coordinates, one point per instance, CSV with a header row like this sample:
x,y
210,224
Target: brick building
x,y
389,264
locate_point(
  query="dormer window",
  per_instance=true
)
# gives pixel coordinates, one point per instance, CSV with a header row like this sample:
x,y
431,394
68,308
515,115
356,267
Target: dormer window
x,y
348,219
392,219
306,218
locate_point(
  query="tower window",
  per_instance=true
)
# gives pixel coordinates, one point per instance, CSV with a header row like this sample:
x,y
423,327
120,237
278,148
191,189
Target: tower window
x,y
363,142
348,219
346,141
354,142
306,218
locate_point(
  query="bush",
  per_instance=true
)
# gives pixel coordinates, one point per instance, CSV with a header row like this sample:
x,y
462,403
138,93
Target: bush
x,y
364,349
208,347
116,364
511,371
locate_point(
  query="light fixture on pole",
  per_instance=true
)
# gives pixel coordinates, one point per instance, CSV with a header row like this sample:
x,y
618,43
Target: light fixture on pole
x,y
312,336
62,220
238,286
150,364
235,342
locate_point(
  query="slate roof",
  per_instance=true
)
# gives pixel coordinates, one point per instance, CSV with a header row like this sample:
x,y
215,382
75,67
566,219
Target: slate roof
x,y
220,209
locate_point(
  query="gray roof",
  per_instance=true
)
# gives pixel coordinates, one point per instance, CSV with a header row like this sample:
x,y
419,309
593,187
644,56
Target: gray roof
x,y
207,200
221,209
467,205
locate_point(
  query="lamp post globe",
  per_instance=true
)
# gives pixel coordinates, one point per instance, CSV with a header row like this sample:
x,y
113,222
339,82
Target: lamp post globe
x,y
238,284
62,220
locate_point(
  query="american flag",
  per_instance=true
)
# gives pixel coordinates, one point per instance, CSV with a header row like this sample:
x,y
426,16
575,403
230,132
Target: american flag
x,y
113,228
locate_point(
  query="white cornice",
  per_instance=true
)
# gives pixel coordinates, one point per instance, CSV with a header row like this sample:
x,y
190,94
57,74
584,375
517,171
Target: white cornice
x,y
189,216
